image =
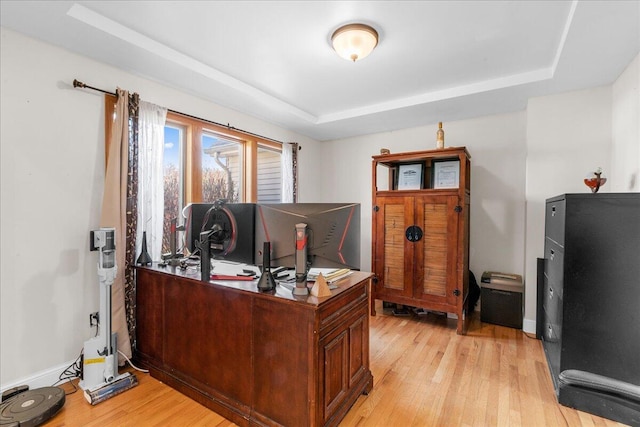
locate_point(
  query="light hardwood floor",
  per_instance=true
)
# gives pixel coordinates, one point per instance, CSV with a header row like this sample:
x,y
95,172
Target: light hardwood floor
x,y
424,375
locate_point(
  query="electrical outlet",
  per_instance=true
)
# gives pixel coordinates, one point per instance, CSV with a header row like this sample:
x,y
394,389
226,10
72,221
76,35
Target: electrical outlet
x,y
94,318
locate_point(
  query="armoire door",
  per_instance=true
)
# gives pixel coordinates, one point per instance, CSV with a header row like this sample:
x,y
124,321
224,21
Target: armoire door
x,y
393,255
435,275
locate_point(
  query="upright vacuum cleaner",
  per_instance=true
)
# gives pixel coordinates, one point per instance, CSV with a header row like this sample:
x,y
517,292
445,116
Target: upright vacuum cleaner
x,y
100,379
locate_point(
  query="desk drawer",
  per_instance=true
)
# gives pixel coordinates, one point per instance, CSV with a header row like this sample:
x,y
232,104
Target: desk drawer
x,y
334,313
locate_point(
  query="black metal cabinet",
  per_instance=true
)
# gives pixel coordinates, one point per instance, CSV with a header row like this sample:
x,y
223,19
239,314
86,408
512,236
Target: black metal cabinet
x,y
591,295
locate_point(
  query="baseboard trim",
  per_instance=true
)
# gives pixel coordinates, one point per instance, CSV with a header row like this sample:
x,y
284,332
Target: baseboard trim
x,y
529,326
44,378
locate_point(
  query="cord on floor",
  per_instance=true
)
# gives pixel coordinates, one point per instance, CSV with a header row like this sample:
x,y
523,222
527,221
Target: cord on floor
x,y
132,365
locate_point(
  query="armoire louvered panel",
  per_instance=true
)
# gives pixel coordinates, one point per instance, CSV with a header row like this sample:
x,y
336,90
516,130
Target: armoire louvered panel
x,y
394,253
434,281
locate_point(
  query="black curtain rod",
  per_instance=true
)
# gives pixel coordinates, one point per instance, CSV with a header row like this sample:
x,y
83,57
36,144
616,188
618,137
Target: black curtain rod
x,y
77,83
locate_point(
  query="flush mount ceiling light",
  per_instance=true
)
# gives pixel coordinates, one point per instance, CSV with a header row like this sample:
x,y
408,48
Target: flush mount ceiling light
x,y
354,41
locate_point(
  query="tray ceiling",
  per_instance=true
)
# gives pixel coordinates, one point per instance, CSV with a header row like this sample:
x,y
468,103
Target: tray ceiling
x,y
436,60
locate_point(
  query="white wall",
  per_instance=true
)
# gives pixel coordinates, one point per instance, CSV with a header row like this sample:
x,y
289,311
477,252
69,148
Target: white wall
x,y
52,157
568,135
625,172
498,152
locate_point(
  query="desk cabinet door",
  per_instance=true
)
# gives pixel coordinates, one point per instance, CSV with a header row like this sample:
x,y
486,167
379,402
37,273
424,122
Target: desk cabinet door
x,y
343,362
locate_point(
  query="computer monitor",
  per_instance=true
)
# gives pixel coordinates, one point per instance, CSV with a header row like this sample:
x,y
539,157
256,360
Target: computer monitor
x,y
231,226
334,233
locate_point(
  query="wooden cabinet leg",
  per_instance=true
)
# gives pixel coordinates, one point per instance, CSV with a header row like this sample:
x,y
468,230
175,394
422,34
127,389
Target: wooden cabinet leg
x,y
462,325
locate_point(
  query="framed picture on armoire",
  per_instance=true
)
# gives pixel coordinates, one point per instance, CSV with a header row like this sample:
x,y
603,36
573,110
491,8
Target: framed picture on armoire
x,y
446,174
410,176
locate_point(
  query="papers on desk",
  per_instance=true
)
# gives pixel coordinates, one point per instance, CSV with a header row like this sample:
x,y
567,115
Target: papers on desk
x,y
227,268
330,274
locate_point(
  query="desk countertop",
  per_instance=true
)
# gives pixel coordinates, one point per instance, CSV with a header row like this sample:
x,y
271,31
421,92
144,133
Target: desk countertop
x,y
281,291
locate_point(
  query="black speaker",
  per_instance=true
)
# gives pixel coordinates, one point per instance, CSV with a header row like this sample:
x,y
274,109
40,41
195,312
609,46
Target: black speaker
x,y
267,282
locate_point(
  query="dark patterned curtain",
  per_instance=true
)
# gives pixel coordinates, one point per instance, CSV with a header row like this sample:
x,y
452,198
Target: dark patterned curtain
x,y
132,219
294,166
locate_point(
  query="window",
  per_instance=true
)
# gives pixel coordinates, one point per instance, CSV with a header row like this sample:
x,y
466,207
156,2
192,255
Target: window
x,y
220,163
174,141
204,162
269,175
222,172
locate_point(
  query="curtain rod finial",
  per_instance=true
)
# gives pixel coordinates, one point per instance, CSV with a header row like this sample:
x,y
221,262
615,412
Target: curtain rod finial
x,y
77,83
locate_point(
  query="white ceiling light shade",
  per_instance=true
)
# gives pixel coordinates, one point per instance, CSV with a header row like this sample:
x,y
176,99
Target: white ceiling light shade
x,y
354,41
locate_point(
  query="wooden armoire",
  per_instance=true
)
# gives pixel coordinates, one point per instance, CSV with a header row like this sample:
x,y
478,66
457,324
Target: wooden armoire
x,y
420,236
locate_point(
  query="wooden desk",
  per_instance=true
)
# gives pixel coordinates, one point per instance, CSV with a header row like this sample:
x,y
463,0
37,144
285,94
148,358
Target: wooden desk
x,y
255,358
